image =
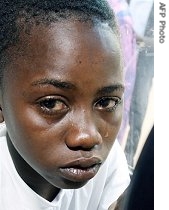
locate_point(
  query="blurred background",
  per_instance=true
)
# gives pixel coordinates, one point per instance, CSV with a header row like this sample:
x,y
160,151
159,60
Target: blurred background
x,y
136,23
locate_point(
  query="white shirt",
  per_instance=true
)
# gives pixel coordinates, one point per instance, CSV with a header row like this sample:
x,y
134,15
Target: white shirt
x,y
98,194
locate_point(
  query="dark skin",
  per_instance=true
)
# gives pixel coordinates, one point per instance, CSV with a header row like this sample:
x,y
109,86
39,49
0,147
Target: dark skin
x,y
62,103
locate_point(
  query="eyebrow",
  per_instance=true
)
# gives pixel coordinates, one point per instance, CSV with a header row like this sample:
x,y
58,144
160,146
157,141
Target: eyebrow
x,y
69,86
55,83
110,89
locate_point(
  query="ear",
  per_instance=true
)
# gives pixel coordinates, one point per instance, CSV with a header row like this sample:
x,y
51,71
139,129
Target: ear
x,y
1,115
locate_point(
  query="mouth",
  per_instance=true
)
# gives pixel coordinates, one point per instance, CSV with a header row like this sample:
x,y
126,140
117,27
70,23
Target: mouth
x,y
81,170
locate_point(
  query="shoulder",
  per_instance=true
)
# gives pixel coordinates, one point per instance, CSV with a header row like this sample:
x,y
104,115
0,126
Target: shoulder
x,y
116,158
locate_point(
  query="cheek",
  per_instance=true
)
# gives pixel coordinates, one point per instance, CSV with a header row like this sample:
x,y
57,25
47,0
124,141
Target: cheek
x,y
112,126
37,140
41,150
113,121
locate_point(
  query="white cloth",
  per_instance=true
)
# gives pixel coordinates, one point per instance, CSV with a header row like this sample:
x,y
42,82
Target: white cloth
x,y
98,194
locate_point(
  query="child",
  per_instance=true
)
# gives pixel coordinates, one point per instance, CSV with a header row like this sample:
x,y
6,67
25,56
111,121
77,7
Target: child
x,y
61,100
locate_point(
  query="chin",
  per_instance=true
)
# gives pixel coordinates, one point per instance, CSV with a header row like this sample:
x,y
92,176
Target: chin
x,y
67,184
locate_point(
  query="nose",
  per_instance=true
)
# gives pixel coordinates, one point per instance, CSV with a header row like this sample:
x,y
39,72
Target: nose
x,y
83,134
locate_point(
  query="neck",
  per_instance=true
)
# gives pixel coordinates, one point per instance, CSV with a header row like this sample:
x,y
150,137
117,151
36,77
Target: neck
x,y
33,179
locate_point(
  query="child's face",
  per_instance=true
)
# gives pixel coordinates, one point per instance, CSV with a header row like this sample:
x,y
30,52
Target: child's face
x,y
61,99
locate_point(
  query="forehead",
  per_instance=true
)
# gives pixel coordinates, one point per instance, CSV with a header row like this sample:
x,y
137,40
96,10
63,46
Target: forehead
x,y
64,45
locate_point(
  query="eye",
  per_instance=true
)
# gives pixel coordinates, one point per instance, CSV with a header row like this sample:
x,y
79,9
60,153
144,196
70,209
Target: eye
x,y
52,105
108,104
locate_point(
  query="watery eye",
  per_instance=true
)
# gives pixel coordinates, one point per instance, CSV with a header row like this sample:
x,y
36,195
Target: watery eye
x,y
107,104
53,105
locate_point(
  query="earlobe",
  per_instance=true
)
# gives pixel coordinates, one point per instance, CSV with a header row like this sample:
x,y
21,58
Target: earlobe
x,y
1,116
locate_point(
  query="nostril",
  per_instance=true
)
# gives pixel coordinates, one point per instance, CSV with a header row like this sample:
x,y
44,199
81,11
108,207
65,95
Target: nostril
x,y
82,148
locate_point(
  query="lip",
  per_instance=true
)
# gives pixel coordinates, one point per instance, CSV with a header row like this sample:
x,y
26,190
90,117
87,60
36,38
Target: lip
x,y
81,170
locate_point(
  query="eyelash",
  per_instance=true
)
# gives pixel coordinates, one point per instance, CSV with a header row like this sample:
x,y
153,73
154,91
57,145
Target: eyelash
x,y
103,100
48,104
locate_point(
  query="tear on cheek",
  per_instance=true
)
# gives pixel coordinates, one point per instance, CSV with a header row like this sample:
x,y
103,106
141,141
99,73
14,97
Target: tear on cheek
x,y
106,134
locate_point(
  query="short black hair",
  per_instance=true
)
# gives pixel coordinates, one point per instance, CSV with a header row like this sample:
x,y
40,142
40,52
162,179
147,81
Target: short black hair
x,y
46,11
